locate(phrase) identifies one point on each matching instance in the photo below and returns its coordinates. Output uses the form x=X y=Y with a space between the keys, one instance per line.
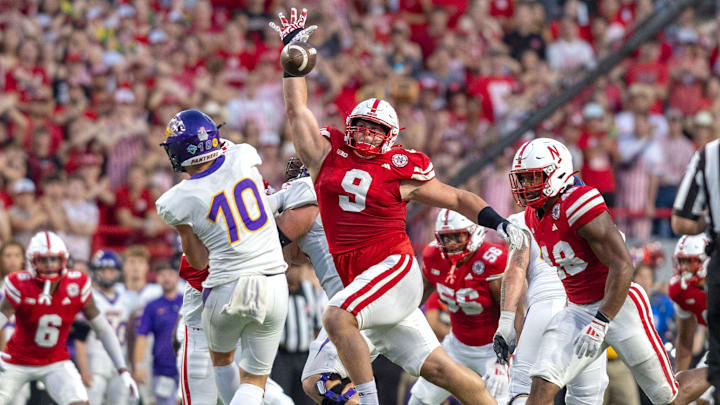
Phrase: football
x=298 y=58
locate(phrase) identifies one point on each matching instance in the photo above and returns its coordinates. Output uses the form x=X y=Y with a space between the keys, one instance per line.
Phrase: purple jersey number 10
x=221 y=205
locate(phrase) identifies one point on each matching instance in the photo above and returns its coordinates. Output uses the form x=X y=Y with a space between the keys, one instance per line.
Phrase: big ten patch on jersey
x=41 y=329
x=582 y=273
x=359 y=198
x=691 y=300
x=466 y=292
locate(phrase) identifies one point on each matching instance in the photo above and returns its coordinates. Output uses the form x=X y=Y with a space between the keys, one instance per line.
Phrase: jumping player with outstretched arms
x=363 y=183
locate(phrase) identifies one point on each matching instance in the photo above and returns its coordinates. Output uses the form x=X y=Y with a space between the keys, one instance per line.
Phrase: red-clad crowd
x=88 y=86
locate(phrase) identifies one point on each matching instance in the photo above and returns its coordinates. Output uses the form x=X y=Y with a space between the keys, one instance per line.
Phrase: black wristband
x=289 y=37
x=286 y=74
x=488 y=218
x=284 y=240
x=599 y=315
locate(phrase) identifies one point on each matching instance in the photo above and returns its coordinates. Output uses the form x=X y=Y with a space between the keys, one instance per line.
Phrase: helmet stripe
x=373 y=109
x=47 y=236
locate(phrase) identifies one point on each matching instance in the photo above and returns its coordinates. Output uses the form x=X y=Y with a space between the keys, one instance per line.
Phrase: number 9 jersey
x=360 y=202
x=226 y=208
x=41 y=330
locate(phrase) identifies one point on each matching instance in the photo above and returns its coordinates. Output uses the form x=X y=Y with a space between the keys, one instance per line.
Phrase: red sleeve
x=86 y=291
x=11 y=289
x=193 y=276
x=427 y=258
x=582 y=205
x=433 y=302
x=495 y=259
x=412 y=165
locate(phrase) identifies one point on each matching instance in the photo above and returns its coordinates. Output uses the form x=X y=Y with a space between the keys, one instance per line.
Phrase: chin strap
x=45 y=297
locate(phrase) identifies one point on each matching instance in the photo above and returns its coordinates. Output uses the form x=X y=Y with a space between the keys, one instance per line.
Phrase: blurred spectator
x=569 y=53
x=523 y=36
x=689 y=72
x=640 y=164
x=12 y=259
x=159 y=318
x=41 y=161
x=650 y=71
x=54 y=191
x=27 y=214
x=599 y=152
x=703 y=128
x=135 y=208
x=676 y=150
x=661 y=305
x=640 y=102
x=82 y=219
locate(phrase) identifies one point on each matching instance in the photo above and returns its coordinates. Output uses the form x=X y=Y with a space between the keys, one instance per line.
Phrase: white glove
x=3 y=355
x=295 y=29
x=497 y=380
x=588 y=342
x=505 y=337
x=515 y=237
x=130 y=384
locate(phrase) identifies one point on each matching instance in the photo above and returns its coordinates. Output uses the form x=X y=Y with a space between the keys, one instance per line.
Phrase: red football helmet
x=690 y=260
x=47 y=256
x=362 y=139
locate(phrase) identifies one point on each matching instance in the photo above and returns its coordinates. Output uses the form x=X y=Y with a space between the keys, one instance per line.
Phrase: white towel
x=248 y=298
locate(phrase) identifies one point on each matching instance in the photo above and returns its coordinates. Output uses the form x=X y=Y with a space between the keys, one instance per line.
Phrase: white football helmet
x=542 y=168
x=457 y=236
x=690 y=260
x=43 y=245
x=374 y=110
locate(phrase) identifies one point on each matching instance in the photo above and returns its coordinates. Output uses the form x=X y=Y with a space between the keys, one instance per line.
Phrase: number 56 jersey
x=226 y=208
x=360 y=202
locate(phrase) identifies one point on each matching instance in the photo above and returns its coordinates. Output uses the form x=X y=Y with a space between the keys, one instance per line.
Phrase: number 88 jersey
x=581 y=272
x=360 y=203
x=41 y=330
x=226 y=208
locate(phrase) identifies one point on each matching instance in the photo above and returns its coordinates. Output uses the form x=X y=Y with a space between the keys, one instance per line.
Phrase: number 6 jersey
x=41 y=330
x=226 y=208
x=360 y=203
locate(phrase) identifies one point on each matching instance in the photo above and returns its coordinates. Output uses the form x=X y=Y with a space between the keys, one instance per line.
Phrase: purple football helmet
x=191 y=138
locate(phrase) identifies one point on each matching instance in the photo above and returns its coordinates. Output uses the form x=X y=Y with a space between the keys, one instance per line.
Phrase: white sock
x=367 y=393
x=227 y=380
x=248 y=394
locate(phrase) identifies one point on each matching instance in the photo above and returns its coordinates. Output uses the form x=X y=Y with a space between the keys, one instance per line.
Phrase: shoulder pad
x=247 y=154
x=175 y=209
x=411 y=165
x=582 y=204
x=300 y=192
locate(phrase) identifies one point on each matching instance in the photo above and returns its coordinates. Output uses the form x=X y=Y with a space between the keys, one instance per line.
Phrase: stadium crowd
x=87 y=87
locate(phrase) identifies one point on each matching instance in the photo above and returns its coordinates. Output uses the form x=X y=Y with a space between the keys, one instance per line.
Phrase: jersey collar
x=210 y=170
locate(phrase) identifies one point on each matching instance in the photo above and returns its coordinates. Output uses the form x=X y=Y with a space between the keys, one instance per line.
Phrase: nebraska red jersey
x=473 y=313
x=41 y=330
x=581 y=272
x=193 y=276
x=692 y=299
x=360 y=204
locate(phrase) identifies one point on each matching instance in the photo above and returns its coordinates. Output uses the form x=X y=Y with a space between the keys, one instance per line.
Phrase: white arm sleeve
x=276 y=201
x=110 y=342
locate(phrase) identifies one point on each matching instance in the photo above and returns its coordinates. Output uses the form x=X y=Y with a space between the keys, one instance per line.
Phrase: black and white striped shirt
x=304 y=318
x=700 y=183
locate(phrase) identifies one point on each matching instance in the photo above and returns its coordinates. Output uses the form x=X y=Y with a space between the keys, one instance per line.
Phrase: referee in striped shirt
x=698 y=193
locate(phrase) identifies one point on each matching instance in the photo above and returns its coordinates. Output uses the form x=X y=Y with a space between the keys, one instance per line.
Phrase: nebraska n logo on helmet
x=191 y=138
x=367 y=141
x=542 y=169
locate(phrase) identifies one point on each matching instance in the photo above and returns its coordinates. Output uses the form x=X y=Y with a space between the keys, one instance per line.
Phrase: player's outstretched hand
x=3 y=356
x=497 y=380
x=293 y=30
x=130 y=384
x=589 y=341
x=515 y=237
x=505 y=337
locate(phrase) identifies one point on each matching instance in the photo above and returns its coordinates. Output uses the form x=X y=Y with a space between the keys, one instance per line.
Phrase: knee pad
x=334 y=395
